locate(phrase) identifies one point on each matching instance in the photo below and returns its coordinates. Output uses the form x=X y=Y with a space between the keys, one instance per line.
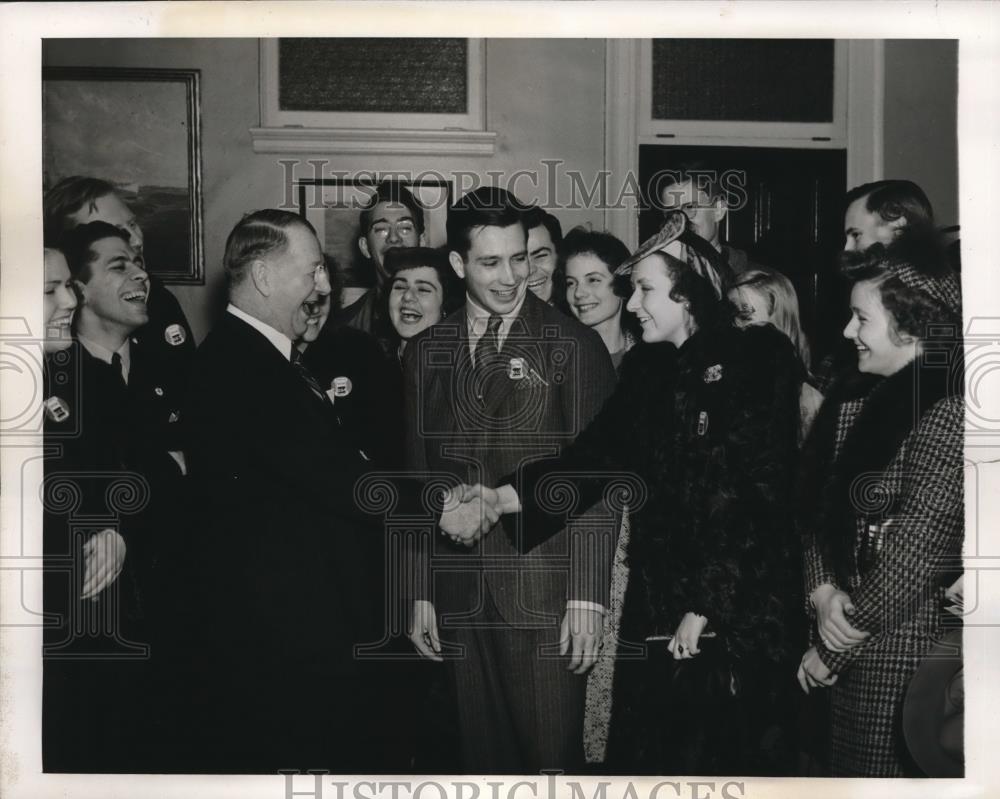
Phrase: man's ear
x=81 y=291
x=422 y=241
x=719 y=209
x=457 y=264
x=896 y=226
x=363 y=246
x=261 y=276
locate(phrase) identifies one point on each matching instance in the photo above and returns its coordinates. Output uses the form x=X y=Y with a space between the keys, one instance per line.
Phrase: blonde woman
x=767 y=297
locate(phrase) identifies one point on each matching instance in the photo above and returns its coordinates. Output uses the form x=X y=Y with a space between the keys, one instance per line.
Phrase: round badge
x=158 y=391
x=175 y=335
x=515 y=369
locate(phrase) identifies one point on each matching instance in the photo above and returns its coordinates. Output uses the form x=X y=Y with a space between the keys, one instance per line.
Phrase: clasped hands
x=833 y=607
x=470 y=511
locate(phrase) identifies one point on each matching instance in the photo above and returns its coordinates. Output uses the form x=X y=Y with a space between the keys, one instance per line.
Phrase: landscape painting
x=140 y=130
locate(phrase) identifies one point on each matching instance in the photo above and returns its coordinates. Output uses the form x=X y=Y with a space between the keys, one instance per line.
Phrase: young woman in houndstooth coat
x=882 y=506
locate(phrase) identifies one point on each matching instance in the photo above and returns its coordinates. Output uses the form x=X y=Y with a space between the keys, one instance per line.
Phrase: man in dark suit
x=78 y=200
x=506 y=379
x=126 y=462
x=280 y=592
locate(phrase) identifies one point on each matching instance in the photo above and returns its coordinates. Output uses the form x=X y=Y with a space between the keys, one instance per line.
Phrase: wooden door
x=788 y=215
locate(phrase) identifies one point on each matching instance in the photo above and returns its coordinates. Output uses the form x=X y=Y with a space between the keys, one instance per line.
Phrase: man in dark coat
x=504 y=380
x=123 y=455
x=279 y=592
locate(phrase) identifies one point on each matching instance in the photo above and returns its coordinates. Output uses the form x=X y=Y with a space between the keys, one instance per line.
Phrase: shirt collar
x=281 y=342
x=102 y=353
x=478 y=317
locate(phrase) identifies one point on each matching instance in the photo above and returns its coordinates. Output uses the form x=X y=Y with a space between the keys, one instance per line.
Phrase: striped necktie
x=307 y=376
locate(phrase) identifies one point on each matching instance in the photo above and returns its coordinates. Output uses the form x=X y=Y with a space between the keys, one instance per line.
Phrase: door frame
x=865 y=66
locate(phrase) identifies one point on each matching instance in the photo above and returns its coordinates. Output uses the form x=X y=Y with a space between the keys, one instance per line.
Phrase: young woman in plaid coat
x=882 y=505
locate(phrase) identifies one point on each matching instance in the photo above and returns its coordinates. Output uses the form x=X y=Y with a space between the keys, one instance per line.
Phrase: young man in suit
x=78 y=200
x=281 y=591
x=128 y=465
x=505 y=379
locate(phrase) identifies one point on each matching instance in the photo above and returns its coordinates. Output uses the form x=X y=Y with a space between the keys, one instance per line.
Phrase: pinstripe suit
x=520 y=709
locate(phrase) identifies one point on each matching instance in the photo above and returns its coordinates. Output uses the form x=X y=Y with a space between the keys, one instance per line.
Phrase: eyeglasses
x=403 y=227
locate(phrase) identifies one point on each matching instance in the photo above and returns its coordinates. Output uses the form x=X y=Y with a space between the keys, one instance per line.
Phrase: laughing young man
x=505 y=379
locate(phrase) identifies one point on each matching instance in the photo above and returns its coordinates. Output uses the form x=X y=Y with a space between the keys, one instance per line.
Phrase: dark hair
x=700 y=173
x=535 y=217
x=895 y=199
x=392 y=191
x=256 y=235
x=697 y=292
x=610 y=251
x=67 y=197
x=912 y=310
x=399 y=259
x=487 y=206
x=77 y=245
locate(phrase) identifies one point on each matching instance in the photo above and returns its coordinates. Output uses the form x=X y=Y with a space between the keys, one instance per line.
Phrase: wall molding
x=372 y=141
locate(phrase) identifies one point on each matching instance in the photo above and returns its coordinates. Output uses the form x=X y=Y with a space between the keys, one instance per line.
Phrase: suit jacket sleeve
x=417 y=567
x=606 y=444
x=921 y=540
x=591 y=553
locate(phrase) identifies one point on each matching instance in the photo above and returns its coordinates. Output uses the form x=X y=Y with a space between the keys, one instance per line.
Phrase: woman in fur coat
x=882 y=506
x=702 y=431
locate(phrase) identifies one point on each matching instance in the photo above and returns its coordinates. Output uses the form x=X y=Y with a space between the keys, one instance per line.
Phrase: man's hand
x=684 y=644
x=103 y=558
x=813 y=673
x=466 y=521
x=504 y=498
x=423 y=630
x=582 y=629
x=833 y=606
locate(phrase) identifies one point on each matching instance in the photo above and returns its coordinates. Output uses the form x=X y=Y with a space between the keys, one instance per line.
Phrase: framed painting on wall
x=139 y=129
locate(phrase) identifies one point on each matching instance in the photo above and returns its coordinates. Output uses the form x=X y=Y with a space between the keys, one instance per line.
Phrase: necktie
x=488 y=356
x=116 y=367
x=307 y=376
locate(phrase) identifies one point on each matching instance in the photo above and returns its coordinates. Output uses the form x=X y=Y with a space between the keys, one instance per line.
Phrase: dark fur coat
x=710 y=431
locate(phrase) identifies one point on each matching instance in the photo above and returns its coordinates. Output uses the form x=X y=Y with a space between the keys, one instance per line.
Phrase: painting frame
x=165 y=228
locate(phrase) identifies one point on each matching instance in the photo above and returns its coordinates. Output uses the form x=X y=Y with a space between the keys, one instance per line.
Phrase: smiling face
x=495 y=270
x=863 y=228
x=114 y=296
x=316 y=314
x=662 y=318
x=881 y=351
x=751 y=306
x=392 y=225
x=704 y=214
x=541 y=262
x=295 y=279
x=415 y=297
x=111 y=209
x=590 y=289
x=58 y=302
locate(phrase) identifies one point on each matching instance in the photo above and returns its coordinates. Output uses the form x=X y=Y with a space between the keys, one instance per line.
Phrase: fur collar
x=893 y=407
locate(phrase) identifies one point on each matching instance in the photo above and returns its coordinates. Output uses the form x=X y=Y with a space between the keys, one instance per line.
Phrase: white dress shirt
x=281 y=342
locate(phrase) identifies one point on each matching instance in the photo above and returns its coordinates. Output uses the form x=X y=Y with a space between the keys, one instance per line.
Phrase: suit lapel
x=522 y=343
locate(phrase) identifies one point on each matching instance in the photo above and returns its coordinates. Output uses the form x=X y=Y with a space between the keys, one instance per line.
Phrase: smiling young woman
x=706 y=416
x=882 y=510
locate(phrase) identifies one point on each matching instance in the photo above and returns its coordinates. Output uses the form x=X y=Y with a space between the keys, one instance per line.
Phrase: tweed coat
x=907 y=521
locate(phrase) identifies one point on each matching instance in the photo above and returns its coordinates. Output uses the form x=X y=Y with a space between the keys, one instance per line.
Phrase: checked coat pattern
x=898 y=592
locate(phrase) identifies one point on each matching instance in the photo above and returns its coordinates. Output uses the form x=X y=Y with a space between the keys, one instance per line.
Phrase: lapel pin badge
x=56 y=409
x=515 y=369
x=175 y=335
x=340 y=387
x=702 y=423
x=713 y=374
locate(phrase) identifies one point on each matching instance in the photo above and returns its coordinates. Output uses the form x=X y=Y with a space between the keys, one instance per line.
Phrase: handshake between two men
x=470 y=511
